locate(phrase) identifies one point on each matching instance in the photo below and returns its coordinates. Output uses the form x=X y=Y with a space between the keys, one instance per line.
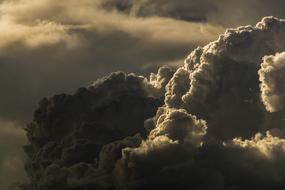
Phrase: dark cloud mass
x=49 y=47
x=71 y=133
x=220 y=126
x=230 y=88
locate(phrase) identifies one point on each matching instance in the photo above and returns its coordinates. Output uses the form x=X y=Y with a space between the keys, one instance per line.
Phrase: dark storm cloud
x=75 y=138
x=49 y=47
x=213 y=131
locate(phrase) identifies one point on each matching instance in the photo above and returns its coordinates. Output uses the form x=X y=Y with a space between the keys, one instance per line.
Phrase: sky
x=50 y=47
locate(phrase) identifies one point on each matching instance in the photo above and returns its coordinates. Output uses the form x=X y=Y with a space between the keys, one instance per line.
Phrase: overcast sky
x=50 y=46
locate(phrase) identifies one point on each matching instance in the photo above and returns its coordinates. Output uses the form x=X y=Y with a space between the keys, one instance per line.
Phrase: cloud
x=220 y=12
x=90 y=129
x=50 y=47
x=211 y=132
x=156 y=84
x=210 y=85
x=272 y=82
x=12 y=156
x=255 y=163
x=218 y=83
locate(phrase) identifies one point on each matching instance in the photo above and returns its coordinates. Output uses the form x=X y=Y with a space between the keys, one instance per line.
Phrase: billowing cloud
x=272 y=80
x=49 y=47
x=218 y=83
x=213 y=130
x=87 y=130
x=210 y=85
x=256 y=163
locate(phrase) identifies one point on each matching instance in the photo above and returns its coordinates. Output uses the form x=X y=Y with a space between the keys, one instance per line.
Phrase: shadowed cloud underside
x=217 y=122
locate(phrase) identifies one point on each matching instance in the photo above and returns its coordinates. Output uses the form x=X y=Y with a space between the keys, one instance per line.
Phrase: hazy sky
x=55 y=46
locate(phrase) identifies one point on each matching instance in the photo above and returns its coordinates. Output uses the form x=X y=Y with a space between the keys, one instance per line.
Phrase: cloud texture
x=87 y=130
x=49 y=47
x=222 y=12
x=272 y=80
x=220 y=126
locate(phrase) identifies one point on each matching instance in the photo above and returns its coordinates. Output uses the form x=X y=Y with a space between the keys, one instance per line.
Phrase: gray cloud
x=45 y=50
x=49 y=47
x=256 y=163
x=12 y=157
x=84 y=131
x=272 y=80
x=210 y=83
x=222 y=12
x=215 y=91
x=213 y=131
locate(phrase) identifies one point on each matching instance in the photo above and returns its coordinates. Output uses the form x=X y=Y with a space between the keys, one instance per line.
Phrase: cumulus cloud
x=49 y=47
x=212 y=131
x=255 y=163
x=156 y=84
x=220 y=84
x=268 y=146
x=210 y=85
x=272 y=80
x=75 y=138
x=179 y=125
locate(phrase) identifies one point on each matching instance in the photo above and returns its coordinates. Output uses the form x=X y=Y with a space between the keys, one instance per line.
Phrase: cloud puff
x=255 y=163
x=210 y=85
x=179 y=125
x=272 y=80
x=156 y=84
